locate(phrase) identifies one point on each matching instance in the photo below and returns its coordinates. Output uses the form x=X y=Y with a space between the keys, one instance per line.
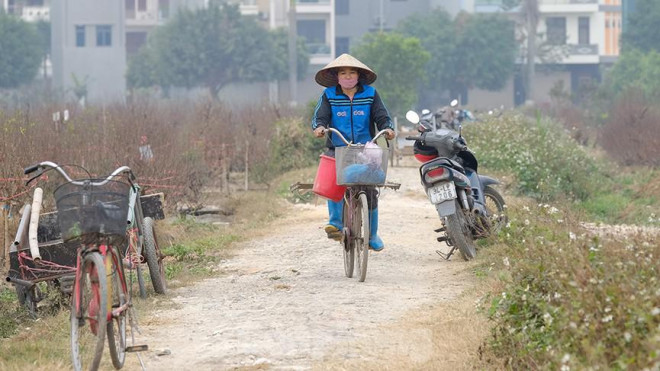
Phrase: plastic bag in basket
x=364 y=173
x=371 y=155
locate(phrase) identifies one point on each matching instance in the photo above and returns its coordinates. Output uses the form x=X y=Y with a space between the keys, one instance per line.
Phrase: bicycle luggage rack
x=57 y=254
x=307 y=187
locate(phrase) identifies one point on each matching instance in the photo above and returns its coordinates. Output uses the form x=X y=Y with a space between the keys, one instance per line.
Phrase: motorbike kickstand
x=448 y=255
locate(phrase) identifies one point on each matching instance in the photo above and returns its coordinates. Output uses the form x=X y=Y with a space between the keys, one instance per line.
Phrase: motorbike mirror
x=425 y=112
x=412 y=116
x=454 y=103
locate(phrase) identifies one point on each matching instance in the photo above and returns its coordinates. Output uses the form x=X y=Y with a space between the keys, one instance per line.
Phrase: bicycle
x=360 y=168
x=94 y=215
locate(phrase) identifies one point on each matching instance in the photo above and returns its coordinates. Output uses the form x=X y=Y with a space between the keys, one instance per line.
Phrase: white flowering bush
x=571 y=298
x=547 y=162
x=549 y=165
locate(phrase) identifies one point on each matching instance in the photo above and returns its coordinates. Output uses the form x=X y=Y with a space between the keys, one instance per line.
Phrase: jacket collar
x=338 y=90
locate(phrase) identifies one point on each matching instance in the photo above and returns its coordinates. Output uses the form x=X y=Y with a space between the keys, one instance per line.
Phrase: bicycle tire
x=89 y=306
x=116 y=327
x=347 y=242
x=154 y=257
x=361 y=228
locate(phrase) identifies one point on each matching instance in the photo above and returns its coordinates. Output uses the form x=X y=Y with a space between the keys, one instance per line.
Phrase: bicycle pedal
x=441 y=229
x=442 y=239
x=137 y=348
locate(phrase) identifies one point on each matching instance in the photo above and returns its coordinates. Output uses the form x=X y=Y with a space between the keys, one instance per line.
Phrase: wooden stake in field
x=4 y=251
x=247 y=149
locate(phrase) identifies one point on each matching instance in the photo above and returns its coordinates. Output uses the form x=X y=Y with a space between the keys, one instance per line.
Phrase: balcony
x=35 y=13
x=568 y=6
x=314 y=6
x=582 y=49
x=577 y=54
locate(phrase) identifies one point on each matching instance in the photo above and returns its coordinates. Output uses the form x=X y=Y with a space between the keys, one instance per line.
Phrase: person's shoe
x=333 y=232
x=375 y=243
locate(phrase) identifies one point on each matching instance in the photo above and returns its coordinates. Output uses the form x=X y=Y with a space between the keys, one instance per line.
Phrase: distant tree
x=470 y=51
x=399 y=62
x=636 y=69
x=20 y=53
x=435 y=30
x=641 y=30
x=209 y=47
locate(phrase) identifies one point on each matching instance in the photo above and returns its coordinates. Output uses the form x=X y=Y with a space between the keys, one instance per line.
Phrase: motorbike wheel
x=458 y=230
x=496 y=208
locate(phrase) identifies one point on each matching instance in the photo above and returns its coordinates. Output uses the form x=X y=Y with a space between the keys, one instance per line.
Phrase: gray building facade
x=88 y=48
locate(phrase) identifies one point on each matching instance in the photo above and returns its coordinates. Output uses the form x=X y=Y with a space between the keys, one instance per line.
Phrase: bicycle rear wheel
x=361 y=234
x=116 y=327
x=154 y=257
x=349 y=247
x=89 y=308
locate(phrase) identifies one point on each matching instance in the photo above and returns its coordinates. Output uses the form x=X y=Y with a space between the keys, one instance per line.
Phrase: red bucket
x=325 y=182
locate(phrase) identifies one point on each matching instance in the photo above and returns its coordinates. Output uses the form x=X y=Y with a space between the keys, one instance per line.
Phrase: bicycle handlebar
x=52 y=165
x=333 y=130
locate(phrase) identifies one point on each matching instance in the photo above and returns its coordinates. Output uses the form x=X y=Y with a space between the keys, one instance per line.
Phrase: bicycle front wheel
x=116 y=327
x=347 y=241
x=361 y=233
x=89 y=309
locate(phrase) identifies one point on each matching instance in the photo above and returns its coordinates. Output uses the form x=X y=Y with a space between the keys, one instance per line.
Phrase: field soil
x=283 y=301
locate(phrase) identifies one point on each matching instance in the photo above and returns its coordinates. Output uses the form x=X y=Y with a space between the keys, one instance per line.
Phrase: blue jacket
x=357 y=120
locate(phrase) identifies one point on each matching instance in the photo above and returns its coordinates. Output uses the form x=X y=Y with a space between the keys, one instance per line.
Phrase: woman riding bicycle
x=350 y=105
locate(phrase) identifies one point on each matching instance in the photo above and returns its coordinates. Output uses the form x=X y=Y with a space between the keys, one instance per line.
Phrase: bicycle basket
x=361 y=165
x=90 y=210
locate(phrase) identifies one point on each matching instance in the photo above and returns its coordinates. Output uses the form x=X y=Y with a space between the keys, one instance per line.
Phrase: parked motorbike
x=468 y=206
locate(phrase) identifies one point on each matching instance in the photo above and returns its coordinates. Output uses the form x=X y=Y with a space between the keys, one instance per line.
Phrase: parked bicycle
x=93 y=214
x=361 y=168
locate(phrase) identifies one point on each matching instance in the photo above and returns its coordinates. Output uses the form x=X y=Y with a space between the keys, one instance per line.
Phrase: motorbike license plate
x=442 y=192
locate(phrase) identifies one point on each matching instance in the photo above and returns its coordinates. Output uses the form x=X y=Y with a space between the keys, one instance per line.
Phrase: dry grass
x=442 y=336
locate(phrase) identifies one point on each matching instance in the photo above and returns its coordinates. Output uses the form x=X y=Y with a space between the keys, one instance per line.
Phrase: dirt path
x=283 y=301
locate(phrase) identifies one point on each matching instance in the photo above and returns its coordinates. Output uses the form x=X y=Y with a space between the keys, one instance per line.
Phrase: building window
x=556 y=30
x=129 y=5
x=341 y=45
x=341 y=7
x=163 y=9
x=313 y=31
x=80 y=36
x=142 y=5
x=583 y=31
x=104 y=35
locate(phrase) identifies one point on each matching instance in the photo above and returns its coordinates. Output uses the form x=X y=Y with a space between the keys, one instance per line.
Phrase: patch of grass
x=567 y=298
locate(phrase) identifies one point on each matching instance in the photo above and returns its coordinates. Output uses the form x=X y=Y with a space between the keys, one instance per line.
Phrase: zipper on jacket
x=352 y=131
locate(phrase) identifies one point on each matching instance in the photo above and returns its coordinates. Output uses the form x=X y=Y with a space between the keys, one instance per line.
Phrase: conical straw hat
x=327 y=76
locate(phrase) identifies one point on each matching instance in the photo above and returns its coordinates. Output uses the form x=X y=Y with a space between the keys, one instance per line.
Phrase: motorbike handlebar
x=414 y=138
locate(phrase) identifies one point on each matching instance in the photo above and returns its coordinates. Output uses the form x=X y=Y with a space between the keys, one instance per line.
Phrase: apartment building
x=28 y=10
x=142 y=16
x=582 y=37
x=88 y=47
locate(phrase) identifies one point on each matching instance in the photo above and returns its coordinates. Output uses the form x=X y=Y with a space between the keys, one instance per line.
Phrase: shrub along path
x=283 y=300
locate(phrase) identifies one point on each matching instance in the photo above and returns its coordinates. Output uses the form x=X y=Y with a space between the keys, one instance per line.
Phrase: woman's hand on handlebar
x=319 y=132
x=389 y=134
